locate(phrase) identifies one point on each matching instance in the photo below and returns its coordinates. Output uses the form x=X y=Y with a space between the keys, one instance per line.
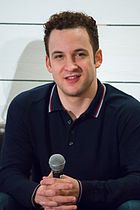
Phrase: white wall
x=22 y=54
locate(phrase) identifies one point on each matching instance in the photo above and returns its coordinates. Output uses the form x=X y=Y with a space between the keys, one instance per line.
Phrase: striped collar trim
x=98 y=109
x=50 y=101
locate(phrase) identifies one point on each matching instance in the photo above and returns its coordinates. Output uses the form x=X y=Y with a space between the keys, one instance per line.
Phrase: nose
x=70 y=64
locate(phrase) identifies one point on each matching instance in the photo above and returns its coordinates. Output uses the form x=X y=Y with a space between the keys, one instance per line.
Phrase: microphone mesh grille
x=57 y=162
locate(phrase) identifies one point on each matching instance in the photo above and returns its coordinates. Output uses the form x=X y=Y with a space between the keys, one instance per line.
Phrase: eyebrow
x=76 y=50
x=56 y=52
x=80 y=49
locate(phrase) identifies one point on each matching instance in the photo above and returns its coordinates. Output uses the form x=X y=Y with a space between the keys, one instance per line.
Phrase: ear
x=98 y=58
x=48 y=64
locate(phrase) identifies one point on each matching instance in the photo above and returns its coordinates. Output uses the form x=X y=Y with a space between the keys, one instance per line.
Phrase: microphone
x=57 y=164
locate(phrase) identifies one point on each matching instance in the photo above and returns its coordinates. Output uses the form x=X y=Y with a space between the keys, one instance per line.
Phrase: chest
x=89 y=145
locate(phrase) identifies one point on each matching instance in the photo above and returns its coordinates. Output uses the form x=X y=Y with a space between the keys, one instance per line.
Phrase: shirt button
x=70 y=143
x=69 y=122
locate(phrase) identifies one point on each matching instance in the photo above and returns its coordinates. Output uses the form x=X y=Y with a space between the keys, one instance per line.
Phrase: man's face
x=71 y=62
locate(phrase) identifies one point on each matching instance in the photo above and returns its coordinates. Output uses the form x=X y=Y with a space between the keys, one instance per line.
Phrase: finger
x=63 y=176
x=61 y=200
x=66 y=178
x=48 y=204
x=47 y=193
x=65 y=207
x=70 y=207
x=51 y=174
x=51 y=180
x=47 y=181
x=57 y=201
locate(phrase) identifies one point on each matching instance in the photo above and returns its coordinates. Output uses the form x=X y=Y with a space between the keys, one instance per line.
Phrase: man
x=93 y=125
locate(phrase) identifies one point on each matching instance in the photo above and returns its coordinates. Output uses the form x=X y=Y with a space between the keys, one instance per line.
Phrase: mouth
x=72 y=77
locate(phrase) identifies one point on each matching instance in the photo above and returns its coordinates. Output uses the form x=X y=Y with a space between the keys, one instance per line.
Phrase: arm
x=110 y=193
x=17 y=155
x=113 y=192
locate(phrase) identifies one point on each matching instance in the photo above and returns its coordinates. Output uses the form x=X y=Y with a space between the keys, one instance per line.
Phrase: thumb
x=63 y=176
x=50 y=175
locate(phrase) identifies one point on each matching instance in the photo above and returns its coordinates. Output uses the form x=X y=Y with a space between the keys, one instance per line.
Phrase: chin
x=73 y=93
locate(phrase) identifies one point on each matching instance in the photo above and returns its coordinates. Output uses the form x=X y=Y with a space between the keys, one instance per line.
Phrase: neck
x=76 y=105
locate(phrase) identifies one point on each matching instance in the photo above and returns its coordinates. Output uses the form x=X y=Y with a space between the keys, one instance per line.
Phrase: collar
x=54 y=101
x=99 y=99
x=94 y=108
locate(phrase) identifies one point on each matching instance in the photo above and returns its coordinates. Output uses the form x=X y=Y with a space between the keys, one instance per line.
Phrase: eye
x=81 y=54
x=58 y=56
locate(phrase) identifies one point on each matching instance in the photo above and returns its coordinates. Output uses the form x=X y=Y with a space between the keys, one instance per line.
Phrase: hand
x=57 y=193
x=75 y=186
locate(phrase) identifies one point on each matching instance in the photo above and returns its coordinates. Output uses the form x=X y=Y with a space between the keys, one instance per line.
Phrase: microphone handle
x=57 y=174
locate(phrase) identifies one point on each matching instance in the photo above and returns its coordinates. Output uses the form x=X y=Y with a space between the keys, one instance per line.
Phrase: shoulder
x=35 y=95
x=118 y=98
x=121 y=103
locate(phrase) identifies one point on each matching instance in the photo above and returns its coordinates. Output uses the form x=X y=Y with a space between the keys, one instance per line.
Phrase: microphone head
x=57 y=162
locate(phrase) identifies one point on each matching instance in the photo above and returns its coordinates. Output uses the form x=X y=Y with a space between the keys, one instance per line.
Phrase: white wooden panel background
x=22 y=54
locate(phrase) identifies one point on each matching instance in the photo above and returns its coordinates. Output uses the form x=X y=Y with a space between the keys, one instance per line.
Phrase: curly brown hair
x=66 y=20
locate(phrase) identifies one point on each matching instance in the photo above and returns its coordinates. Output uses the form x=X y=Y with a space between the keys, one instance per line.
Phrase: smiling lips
x=72 y=78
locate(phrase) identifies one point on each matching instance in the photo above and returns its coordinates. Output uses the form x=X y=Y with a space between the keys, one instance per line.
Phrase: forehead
x=69 y=38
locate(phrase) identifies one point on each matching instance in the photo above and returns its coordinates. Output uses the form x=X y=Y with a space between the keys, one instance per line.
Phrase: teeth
x=72 y=77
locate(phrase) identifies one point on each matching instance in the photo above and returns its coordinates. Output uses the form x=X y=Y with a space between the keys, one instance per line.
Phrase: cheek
x=55 y=71
x=88 y=66
x=88 y=62
x=83 y=64
x=56 y=67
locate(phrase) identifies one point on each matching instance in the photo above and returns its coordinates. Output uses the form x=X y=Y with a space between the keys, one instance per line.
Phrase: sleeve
x=17 y=155
x=111 y=193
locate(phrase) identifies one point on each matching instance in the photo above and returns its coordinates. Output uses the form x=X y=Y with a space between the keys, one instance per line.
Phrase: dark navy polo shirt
x=101 y=147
